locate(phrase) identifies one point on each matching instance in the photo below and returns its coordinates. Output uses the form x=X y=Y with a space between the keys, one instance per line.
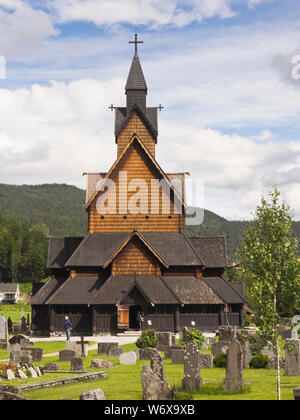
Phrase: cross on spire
x=136 y=42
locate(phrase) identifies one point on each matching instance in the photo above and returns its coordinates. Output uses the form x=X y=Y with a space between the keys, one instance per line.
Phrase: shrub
x=194 y=335
x=147 y=339
x=259 y=362
x=220 y=361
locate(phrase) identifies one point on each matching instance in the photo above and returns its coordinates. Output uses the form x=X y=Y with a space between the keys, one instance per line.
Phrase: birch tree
x=270 y=259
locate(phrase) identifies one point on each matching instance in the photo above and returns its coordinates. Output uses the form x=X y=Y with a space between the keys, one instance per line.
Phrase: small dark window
x=102 y=217
x=147 y=217
x=169 y=217
x=124 y=217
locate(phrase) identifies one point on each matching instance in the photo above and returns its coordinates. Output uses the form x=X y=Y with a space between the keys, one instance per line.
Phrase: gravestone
x=164 y=340
x=234 y=368
x=220 y=347
x=66 y=355
x=84 y=346
x=292 y=357
x=10 y=375
x=17 y=339
x=3 y=333
x=115 y=352
x=297 y=393
x=157 y=364
x=128 y=358
x=52 y=367
x=153 y=387
x=9 y=324
x=192 y=380
x=93 y=395
x=21 y=374
x=32 y=372
x=77 y=364
x=76 y=346
x=296 y=327
x=105 y=348
x=36 y=354
x=206 y=360
x=177 y=356
x=145 y=353
x=23 y=324
x=102 y=364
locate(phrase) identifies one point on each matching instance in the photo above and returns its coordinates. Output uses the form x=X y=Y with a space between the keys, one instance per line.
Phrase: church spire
x=136 y=87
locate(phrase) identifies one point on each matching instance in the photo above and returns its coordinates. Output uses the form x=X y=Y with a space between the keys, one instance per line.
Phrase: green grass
x=124 y=383
x=14 y=311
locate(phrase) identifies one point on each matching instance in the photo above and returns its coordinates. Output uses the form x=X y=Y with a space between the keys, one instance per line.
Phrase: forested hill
x=61 y=208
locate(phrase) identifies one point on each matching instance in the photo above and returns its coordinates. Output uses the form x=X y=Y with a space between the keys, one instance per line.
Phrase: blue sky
x=221 y=68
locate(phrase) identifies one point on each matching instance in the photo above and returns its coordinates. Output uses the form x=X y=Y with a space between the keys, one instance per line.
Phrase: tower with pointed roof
x=136 y=256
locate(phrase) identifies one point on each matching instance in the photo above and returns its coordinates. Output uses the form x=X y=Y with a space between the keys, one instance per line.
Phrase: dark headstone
x=53 y=367
x=77 y=364
x=177 y=356
x=105 y=348
x=297 y=393
x=234 y=368
x=66 y=355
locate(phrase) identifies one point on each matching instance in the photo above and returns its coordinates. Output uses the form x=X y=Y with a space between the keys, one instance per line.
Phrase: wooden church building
x=136 y=256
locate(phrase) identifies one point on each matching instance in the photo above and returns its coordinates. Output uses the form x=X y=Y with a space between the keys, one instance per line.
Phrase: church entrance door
x=133 y=319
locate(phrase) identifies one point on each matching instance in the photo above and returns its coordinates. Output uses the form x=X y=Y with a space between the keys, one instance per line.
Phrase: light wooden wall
x=135 y=125
x=137 y=166
x=135 y=258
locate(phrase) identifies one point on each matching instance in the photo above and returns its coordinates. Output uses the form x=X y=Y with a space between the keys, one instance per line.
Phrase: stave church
x=135 y=258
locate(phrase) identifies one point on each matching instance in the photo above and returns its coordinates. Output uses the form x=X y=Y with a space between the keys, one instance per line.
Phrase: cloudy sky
x=226 y=72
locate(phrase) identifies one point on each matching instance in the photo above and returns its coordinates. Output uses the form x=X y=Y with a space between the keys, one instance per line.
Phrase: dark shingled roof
x=136 y=79
x=174 y=248
x=122 y=115
x=224 y=290
x=212 y=249
x=118 y=287
x=46 y=291
x=76 y=291
x=192 y=291
x=8 y=287
x=96 y=249
x=60 y=250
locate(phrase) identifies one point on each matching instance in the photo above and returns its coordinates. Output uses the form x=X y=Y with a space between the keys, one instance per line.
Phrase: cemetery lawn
x=124 y=383
x=14 y=311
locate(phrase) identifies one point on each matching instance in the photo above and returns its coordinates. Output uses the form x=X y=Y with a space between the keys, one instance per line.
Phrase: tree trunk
x=278 y=369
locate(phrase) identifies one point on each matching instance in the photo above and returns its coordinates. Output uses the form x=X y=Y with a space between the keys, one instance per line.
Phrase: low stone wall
x=91 y=376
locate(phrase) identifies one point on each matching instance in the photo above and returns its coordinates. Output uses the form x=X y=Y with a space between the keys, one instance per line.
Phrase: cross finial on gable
x=136 y=42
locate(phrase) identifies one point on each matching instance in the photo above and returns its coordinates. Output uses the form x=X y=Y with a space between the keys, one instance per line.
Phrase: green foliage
x=220 y=361
x=54 y=209
x=23 y=252
x=270 y=258
x=147 y=339
x=260 y=361
x=194 y=335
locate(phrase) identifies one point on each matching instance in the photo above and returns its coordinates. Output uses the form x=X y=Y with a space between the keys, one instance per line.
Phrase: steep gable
x=135 y=207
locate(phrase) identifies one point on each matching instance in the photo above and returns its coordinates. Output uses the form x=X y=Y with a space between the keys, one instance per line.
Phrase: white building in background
x=9 y=293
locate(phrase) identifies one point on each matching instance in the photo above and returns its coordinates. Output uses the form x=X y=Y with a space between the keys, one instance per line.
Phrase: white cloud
x=23 y=29
x=55 y=133
x=140 y=12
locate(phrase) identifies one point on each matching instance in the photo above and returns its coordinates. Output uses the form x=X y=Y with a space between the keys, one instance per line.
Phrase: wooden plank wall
x=135 y=258
x=135 y=125
x=137 y=166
